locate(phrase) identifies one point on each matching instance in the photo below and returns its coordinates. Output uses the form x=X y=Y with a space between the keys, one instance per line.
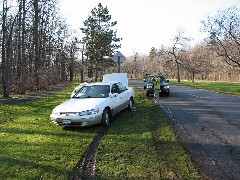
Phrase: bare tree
x=224 y=34
x=5 y=66
x=36 y=43
x=34 y=46
x=22 y=56
x=196 y=61
x=179 y=45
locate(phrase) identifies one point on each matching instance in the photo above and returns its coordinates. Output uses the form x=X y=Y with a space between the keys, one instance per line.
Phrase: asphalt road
x=208 y=125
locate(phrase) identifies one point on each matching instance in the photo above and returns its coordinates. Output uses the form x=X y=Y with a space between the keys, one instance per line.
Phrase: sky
x=143 y=24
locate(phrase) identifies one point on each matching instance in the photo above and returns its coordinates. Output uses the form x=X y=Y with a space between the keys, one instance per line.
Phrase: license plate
x=66 y=121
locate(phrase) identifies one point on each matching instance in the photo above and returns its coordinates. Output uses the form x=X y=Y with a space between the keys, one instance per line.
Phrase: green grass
x=128 y=150
x=34 y=148
x=222 y=87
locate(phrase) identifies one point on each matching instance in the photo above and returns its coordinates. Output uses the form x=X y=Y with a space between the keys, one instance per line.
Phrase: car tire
x=130 y=104
x=106 y=117
x=147 y=93
x=168 y=94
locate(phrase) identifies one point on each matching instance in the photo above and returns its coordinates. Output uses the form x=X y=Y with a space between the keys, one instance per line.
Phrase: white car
x=94 y=103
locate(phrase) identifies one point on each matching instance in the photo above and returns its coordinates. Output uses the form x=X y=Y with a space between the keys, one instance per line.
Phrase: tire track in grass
x=86 y=168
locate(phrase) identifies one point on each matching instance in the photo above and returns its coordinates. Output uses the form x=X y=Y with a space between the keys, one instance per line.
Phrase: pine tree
x=100 y=39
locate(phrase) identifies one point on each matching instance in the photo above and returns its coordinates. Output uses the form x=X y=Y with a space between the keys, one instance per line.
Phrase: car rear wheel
x=106 y=117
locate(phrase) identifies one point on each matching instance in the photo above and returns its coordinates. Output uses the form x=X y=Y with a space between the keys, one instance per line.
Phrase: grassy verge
x=142 y=145
x=138 y=145
x=222 y=87
x=33 y=148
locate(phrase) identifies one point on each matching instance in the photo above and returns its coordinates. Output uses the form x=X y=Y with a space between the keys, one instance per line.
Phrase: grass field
x=222 y=87
x=138 y=145
x=32 y=147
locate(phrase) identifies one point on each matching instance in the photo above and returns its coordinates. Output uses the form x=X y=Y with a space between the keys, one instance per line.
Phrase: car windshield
x=158 y=79
x=94 y=91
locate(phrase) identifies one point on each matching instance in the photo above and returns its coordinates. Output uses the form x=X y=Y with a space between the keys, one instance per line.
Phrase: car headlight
x=166 y=87
x=149 y=86
x=55 y=112
x=89 y=112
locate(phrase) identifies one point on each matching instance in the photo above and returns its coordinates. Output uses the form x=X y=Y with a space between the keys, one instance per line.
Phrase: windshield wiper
x=92 y=97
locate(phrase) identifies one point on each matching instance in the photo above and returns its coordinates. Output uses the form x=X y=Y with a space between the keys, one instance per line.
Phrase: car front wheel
x=130 y=104
x=106 y=117
x=147 y=93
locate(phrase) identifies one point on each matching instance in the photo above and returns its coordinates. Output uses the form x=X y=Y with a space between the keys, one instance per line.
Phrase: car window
x=94 y=91
x=121 y=87
x=114 y=89
x=149 y=79
x=158 y=78
x=161 y=78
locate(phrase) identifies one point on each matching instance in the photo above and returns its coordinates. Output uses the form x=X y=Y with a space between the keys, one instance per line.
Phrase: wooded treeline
x=36 y=47
x=39 y=49
x=217 y=58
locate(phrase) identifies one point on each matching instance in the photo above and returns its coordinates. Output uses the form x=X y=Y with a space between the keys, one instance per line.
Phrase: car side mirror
x=167 y=80
x=114 y=95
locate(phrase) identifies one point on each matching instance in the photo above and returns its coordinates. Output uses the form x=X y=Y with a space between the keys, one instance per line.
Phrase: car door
x=123 y=95
x=116 y=98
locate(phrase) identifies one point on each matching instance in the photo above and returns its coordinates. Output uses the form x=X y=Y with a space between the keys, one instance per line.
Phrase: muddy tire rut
x=86 y=168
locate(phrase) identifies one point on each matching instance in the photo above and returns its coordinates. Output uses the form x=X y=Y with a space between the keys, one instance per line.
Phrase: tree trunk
x=5 y=77
x=63 y=68
x=36 y=44
x=19 y=44
x=71 y=71
x=82 y=65
x=178 y=72
x=23 y=66
x=71 y=61
x=96 y=74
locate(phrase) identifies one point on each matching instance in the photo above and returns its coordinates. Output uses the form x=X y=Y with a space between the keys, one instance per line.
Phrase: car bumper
x=64 y=120
x=163 y=91
x=150 y=91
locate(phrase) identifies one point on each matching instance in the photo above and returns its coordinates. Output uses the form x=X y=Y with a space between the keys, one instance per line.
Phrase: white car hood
x=78 y=105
